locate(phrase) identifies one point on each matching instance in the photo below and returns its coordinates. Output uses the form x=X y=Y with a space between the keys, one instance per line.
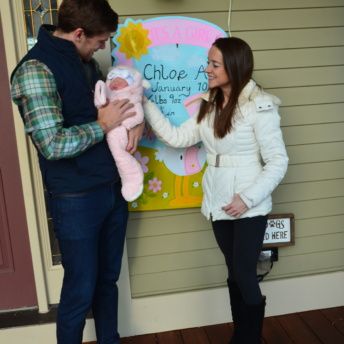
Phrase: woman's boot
x=252 y=323
x=236 y=303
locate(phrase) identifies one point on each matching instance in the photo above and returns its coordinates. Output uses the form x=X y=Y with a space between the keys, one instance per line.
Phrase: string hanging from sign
x=229 y=17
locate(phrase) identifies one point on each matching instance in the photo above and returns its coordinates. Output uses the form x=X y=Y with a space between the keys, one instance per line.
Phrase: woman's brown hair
x=95 y=17
x=238 y=62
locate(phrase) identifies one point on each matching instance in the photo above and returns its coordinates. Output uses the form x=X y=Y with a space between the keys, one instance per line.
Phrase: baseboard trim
x=211 y=306
x=26 y=317
x=29 y=317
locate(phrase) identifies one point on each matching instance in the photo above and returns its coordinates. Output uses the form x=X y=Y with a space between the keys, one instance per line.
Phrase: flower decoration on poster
x=171 y=53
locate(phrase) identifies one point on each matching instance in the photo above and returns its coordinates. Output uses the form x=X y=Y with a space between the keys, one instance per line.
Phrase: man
x=53 y=88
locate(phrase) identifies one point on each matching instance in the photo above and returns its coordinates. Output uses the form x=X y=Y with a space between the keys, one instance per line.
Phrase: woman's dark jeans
x=241 y=242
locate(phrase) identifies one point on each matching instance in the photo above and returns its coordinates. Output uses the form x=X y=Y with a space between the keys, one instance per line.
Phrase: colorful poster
x=171 y=53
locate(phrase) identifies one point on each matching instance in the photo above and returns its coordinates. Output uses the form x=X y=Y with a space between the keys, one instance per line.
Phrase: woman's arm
x=183 y=136
x=272 y=149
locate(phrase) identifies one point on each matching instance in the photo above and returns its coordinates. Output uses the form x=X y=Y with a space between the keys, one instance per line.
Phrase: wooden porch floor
x=313 y=327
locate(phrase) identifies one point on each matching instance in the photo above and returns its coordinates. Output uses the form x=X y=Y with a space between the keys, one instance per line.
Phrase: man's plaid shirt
x=34 y=91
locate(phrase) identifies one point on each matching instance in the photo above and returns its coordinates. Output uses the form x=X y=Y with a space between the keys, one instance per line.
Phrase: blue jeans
x=90 y=227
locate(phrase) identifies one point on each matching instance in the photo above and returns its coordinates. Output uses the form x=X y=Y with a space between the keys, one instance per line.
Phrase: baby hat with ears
x=121 y=73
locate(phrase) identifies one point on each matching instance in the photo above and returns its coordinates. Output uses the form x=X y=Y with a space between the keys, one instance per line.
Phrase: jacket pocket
x=245 y=177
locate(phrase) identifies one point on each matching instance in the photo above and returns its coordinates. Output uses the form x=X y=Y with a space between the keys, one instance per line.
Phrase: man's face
x=87 y=46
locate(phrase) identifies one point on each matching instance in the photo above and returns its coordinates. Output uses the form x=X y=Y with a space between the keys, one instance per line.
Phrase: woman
x=239 y=126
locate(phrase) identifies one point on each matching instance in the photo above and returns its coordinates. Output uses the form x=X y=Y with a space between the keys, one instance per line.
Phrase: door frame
x=15 y=46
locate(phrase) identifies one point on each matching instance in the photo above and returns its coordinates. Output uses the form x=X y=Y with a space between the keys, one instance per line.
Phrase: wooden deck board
x=194 y=335
x=297 y=329
x=171 y=337
x=219 y=334
x=324 y=326
x=336 y=316
x=273 y=332
x=142 y=339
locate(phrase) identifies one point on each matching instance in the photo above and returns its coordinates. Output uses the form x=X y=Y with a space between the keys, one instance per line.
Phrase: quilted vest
x=96 y=165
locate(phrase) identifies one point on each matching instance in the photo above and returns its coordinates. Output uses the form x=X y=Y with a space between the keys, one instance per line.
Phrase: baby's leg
x=128 y=167
x=133 y=121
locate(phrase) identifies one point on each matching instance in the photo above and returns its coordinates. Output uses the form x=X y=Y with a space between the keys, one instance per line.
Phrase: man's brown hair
x=93 y=16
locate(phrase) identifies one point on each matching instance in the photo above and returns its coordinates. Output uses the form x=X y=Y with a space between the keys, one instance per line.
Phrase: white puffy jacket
x=251 y=160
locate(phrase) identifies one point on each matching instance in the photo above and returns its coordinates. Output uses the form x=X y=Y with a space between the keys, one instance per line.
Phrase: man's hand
x=236 y=208
x=134 y=136
x=112 y=114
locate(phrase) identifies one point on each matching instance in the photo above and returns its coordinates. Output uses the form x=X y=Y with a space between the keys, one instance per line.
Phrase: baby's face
x=117 y=84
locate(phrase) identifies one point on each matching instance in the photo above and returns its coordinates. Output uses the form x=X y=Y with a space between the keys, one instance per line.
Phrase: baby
x=124 y=82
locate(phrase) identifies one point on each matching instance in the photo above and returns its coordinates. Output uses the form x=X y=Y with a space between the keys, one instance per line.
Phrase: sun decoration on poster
x=133 y=40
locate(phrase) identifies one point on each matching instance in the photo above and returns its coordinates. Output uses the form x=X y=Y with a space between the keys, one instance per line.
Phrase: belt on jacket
x=224 y=160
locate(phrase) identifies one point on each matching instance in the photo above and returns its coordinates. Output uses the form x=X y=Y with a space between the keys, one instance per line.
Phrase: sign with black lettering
x=279 y=230
x=171 y=54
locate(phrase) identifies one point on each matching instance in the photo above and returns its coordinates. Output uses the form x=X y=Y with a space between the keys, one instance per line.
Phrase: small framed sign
x=279 y=231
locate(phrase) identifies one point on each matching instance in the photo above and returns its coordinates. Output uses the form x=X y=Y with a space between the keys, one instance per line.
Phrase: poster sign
x=279 y=230
x=171 y=53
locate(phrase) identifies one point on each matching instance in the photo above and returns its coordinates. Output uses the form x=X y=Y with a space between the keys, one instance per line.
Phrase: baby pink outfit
x=128 y=167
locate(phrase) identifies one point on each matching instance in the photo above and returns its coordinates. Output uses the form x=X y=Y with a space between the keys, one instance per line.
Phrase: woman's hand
x=134 y=136
x=236 y=208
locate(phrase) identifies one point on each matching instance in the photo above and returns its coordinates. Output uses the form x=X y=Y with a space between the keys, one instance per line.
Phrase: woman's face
x=217 y=75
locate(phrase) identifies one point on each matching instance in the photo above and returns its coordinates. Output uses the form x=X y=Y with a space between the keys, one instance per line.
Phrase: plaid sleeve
x=34 y=91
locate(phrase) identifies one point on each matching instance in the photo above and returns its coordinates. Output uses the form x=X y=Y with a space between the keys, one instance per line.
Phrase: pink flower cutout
x=154 y=185
x=143 y=160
